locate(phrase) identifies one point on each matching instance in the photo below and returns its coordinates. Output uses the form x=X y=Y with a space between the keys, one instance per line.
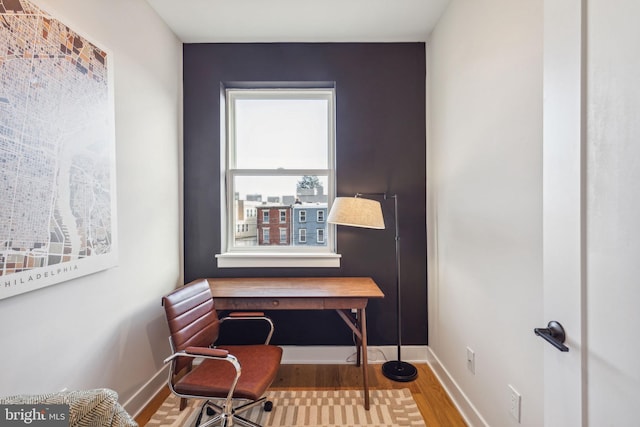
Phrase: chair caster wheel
x=268 y=406
x=210 y=411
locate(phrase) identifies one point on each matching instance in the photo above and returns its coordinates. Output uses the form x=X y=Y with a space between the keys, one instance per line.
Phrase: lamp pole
x=396 y=370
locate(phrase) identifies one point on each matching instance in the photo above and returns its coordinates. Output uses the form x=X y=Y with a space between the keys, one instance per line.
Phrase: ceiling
x=243 y=21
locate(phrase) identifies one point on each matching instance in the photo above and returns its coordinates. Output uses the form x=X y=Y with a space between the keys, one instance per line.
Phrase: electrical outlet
x=515 y=402
x=471 y=361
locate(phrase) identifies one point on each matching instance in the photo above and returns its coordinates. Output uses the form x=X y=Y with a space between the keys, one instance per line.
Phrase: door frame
x=564 y=219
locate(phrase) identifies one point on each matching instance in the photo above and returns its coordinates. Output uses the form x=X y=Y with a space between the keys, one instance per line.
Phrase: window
x=320 y=235
x=302 y=235
x=279 y=156
x=320 y=216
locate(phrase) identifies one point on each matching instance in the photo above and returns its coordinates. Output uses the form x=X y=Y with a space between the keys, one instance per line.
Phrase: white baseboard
x=148 y=391
x=319 y=355
x=460 y=400
x=326 y=355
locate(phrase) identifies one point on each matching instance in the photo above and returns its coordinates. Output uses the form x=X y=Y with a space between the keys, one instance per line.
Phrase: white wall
x=478 y=91
x=107 y=329
x=613 y=212
x=484 y=73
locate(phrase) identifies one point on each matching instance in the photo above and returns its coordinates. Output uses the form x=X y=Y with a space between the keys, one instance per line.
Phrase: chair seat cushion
x=213 y=378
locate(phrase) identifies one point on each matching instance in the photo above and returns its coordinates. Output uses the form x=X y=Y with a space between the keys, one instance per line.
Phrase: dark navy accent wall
x=380 y=147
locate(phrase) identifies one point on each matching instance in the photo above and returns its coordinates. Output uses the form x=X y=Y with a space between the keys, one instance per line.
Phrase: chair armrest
x=251 y=315
x=206 y=351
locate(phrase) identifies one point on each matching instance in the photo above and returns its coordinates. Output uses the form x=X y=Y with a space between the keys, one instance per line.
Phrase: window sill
x=265 y=260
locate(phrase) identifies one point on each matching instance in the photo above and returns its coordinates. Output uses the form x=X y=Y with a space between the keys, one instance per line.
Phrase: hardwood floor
x=433 y=402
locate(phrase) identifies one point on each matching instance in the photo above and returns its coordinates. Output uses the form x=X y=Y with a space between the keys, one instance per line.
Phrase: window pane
x=280 y=208
x=281 y=133
x=281 y=189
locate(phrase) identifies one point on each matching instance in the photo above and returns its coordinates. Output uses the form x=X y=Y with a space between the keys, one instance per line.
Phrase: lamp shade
x=356 y=212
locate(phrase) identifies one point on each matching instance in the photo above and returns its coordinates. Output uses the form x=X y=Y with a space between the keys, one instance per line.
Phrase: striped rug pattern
x=312 y=408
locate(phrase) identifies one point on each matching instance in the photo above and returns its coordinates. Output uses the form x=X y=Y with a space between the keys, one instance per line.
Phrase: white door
x=563 y=210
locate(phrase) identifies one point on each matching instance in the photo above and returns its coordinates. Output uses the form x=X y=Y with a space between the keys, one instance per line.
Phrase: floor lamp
x=361 y=212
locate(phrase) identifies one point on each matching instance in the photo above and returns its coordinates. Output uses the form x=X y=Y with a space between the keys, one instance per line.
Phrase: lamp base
x=398 y=370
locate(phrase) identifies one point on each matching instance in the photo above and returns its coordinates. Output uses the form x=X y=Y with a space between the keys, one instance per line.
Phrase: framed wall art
x=57 y=152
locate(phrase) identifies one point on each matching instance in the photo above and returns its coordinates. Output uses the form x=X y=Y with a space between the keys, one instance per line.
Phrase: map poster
x=57 y=152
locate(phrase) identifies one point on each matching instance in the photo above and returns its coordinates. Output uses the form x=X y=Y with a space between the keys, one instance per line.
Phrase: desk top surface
x=295 y=287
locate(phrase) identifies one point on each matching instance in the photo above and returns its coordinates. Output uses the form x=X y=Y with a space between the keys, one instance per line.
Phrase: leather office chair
x=226 y=373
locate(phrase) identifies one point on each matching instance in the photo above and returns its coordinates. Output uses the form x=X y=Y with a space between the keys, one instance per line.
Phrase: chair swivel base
x=398 y=370
x=268 y=407
x=232 y=417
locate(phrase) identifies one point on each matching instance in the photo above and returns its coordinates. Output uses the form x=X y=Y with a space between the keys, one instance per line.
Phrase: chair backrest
x=192 y=318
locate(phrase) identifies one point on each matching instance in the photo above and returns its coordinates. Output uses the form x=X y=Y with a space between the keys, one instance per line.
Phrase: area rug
x=312 y=408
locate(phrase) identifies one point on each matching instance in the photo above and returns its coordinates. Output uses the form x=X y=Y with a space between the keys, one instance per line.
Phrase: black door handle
x=554 y=334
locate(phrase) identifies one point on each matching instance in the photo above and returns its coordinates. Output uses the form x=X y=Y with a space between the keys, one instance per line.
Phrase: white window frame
x=283 y=216
x=285 y=255
x=302 y=215
x=320 y=216
x=302 y=235
x=266 y=235
x=320 y=235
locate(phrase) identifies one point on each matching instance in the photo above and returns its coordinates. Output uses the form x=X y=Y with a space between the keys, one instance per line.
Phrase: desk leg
x=358 y=340
x=359 y=328
x=365 y=365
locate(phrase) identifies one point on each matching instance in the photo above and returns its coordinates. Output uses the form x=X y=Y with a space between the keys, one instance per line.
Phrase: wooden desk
x=304 y=293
